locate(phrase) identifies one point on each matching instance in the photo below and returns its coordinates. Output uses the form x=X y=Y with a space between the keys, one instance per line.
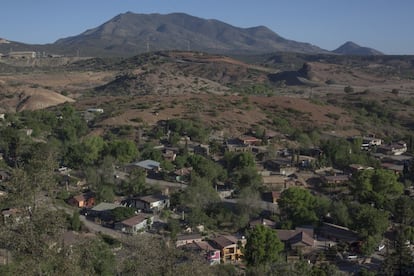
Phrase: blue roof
x=148 y=164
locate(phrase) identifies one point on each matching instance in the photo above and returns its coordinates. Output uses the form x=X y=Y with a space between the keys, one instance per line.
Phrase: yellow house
x=230 y=248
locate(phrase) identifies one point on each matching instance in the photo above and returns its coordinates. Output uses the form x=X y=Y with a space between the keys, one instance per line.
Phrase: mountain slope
x=351 y=48
x=130 y=33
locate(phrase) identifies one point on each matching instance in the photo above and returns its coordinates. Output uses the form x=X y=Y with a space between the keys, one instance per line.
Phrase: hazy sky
x=386 y=25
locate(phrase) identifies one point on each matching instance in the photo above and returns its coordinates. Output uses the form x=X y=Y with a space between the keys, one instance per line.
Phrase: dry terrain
x=224 y=93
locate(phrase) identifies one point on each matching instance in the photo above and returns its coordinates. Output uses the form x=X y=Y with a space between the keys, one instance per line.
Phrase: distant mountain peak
x=131 y=33
x=351 y=48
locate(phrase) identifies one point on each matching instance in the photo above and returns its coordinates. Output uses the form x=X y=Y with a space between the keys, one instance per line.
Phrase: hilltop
x=129 y=34
x=351 y=48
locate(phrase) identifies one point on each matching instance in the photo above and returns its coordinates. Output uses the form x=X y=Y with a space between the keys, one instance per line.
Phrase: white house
x=135 y=224
x=150 y=203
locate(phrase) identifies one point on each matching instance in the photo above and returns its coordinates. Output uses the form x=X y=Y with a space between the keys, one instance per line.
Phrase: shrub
x=348 y=89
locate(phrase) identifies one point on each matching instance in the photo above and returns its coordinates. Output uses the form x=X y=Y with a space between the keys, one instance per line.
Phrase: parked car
x=351 y=256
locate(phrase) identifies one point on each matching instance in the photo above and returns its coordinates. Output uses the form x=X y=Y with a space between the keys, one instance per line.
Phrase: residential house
x=355 y=168
x=262 y=221
x=393 y=148
x=249 y=140
x=299 y=240
x=230 y=248
x=21 y=54
x=149 y=165
x=224 y=192
x=335 y=180
x=235 y=145
x=272 y=196
x=169 y=154
x=275 y=182
x=338 y=233
x=368 y=142
x=102 y=211
x=186 y=239
x=202 y=149
x=86 y=200
x=150 y=203
x=135 y=224
x=282 y=166
x=211 y=254
x=183 y=174
x=397 y=169
x=206 y=249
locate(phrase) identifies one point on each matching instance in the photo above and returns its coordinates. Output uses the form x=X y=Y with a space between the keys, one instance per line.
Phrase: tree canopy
x=263 y=246
x=377 y=186
x=298 y=206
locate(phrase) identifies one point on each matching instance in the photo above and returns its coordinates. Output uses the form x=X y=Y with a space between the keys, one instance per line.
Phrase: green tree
x=340 y=213
x=379 y=186
x=96 y=258
x=298 y=206
x=173 y=226
x=235 y=161
x=206 y=168
x=75 y=222
x=367 y=220
x=148 y=152
x=348 y=89
x=40 y=170
x=136 y=183
x=200 y=193
x=263 y=246
x=105 y=193
x=122 y=213
x=92 y=148
x=123 y=151
x=247 y=178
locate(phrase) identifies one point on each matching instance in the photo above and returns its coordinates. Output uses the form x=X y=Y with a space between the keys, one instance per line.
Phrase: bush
x=348 y=89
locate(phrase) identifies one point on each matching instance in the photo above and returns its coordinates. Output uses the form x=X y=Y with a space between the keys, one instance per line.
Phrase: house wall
x=213 y=257
x=140 y=226
x=229 y=254
x=141 y=205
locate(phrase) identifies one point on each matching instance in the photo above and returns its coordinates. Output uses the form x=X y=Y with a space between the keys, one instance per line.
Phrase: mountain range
x=129 y=34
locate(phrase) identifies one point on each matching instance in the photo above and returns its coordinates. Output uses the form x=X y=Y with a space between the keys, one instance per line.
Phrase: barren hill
x=131 y=33
x=224 y=93
x=351 y=48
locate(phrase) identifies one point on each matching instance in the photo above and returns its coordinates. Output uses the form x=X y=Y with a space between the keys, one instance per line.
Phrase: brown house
x=338 y=233
x=186 y=239
x=300 y=239
x=249 y=140
x=262 y=221
x=338 y=179
x=82 y=201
